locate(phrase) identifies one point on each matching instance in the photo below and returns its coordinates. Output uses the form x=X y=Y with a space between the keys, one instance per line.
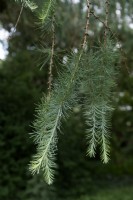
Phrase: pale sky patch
x=3 y=43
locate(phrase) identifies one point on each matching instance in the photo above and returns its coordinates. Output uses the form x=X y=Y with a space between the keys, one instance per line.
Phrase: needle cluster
x=49 y=115
x=27 y=3
x=98 y=85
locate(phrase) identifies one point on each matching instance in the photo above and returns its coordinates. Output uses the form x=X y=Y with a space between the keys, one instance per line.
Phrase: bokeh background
x=21 y=86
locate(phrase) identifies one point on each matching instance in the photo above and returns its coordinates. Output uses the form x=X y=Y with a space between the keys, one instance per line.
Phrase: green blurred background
x=21 y=86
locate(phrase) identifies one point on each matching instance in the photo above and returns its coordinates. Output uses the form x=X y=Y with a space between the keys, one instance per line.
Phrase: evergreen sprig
x=98 y=84
x=47 y=10
x=49 y=115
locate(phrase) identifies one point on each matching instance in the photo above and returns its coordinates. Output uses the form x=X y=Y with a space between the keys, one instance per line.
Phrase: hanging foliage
x=93 y=68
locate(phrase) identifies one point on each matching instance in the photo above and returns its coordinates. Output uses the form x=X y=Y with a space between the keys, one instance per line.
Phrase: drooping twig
x=114 y=35
x=87 y=25
x=104 y=24
x=106 y=19
x=52 y=56
x=14 y=29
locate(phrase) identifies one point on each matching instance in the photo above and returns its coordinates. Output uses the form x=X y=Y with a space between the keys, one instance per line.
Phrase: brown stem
x=104 y=24
x=51 y=58
x=106 y=20
x=114 y=35
x=20 y=13
x=87 y=25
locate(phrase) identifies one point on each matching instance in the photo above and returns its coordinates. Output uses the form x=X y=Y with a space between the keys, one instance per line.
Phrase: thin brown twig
x=51 y=58
x=83 y=46
x=114 y=35
x=14 y=29
x=106 y=26
x=106 y=20
x=87 y=25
